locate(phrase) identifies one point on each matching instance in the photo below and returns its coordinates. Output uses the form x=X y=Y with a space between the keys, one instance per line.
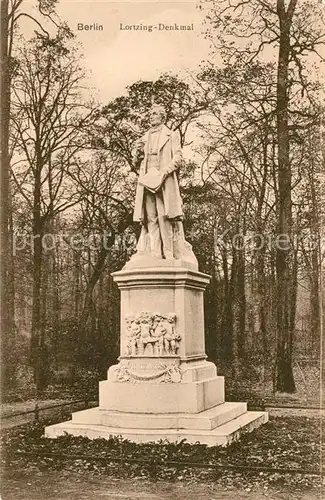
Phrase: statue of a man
x=159 y=206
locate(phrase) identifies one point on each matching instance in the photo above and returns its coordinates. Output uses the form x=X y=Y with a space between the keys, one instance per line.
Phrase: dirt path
x=10 y=420
x=66 y=485
x=7 y=409
x=295 y=412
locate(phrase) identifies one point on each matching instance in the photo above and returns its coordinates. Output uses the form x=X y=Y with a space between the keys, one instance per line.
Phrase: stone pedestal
x=163 y=387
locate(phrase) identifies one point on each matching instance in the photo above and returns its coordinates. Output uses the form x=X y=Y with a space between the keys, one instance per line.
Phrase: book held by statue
x=152 y=180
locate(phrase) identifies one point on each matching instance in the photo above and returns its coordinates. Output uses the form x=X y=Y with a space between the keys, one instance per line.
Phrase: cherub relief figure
x=171 y=339
x=152 y=334
x=133 y=333
x=158 y=332
x=146 y=339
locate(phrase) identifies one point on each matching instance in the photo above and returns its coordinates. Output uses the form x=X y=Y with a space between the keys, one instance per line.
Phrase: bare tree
x=106 y=192
x=291 y=30
x=11 y=13
x=49 y=120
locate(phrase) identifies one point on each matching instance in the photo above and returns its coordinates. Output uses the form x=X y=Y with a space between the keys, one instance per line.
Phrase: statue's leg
x=153 y=225
x=182 y=248
x=166 y=228
x=143 y=245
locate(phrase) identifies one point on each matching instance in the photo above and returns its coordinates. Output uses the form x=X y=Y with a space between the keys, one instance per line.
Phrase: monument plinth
x=163 y=365
x=162 y=387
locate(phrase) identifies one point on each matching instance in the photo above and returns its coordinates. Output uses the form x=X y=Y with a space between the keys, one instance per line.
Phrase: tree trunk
x=238 y=310
x=38 y=355
x=284 y=381
x=77 y=283
x=240 y=292
x=315 y=301
x=212 y=337
x=262 y=300
x=56 y=304
x=261 y=288
x=6 y=260
x=314 y=275
x=226 y=322
x=88 y=302
x=88 y=306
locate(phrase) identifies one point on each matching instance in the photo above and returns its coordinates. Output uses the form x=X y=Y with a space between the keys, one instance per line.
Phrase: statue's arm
x=138 y=152
x=177 y=159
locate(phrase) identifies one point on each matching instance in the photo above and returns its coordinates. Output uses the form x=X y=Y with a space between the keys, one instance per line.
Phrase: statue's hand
x=137 y=161
x=165 y=175
x=138 y=153
x=171 y=167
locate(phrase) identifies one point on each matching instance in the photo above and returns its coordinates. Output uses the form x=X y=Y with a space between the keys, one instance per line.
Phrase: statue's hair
x=159 y=109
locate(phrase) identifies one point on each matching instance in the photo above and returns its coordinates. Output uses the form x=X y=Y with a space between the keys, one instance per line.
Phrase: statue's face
x=155 y=118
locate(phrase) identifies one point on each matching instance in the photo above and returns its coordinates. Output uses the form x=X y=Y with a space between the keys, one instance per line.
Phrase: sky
x=117 y=58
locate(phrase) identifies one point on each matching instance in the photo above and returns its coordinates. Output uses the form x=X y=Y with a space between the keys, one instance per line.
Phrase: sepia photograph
x=162 y=249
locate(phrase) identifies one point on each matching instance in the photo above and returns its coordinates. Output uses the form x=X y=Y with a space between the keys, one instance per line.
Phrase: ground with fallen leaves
x=69 y=485
x=287 y=443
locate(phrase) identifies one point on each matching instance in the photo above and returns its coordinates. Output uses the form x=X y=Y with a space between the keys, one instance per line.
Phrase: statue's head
x=171 y=317
x=157 y=115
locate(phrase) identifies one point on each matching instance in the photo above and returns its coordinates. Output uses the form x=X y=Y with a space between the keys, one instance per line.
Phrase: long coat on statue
x=169 y=158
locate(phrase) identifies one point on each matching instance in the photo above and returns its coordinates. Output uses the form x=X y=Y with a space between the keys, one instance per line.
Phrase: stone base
x=162 y=388
x=164 y=398
x=140 y=261
x=195 y=388
x=218 y=426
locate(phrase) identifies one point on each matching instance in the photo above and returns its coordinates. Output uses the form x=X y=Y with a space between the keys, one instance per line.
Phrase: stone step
x=220 y=436
x=213 y=417
x=208 y=419
x=234 y=429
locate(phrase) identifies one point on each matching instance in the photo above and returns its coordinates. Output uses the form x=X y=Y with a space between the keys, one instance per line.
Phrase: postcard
x=162 y=178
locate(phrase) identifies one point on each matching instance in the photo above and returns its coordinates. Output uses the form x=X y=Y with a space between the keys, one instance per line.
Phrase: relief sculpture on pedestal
x=151 y=334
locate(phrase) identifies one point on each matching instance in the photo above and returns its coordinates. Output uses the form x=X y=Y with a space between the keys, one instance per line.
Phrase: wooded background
x=251 y=128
